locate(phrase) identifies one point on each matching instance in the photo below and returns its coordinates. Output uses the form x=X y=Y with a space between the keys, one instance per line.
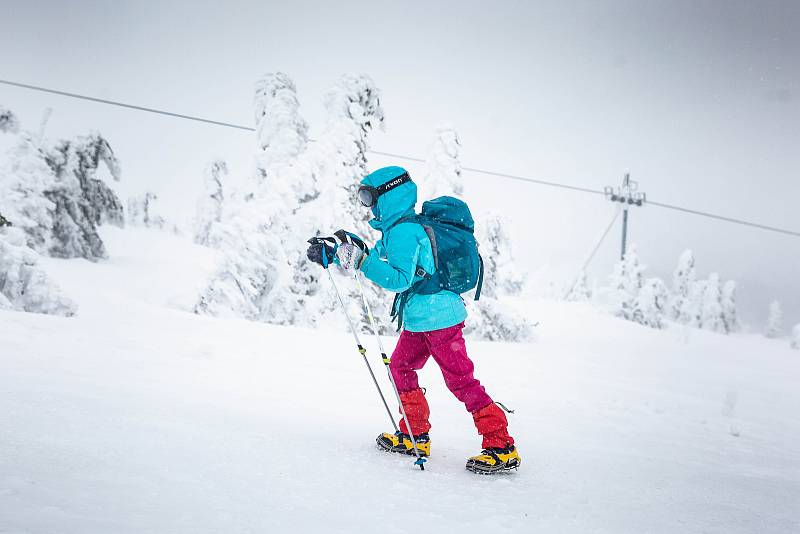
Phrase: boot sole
x=388 y=448
x=481 y=469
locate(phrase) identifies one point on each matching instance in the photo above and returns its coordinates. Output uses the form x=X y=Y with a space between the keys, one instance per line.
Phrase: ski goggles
x=368 y=195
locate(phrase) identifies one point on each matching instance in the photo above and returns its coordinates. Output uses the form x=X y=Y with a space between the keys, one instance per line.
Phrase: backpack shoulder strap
x=416 y=218
x=408 y=218
x=480 y=280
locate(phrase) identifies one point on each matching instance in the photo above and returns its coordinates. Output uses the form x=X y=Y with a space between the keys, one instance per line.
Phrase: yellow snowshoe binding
x=494 y=460
x=401 y=443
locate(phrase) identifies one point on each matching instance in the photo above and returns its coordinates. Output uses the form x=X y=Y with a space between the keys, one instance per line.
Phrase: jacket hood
x=394 y=204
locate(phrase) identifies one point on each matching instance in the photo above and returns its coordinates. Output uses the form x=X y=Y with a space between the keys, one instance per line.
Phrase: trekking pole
x=361 y=349
x=386 y=361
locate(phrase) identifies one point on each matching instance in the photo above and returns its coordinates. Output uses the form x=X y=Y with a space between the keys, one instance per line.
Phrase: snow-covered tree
x=626 y=281
x=82 y=201
x=303 y=187
x=443 y=166
x=53 y=193
x=243 y=281
x=338 y=158
x=281 y=131
x=580 y=290
x=261 y=266
x=775 y=320
x=492 y=318
x=501 y=276
x=354 y=110
x=692 y=309
x=795 y=343
x=208 y=215
x=650 y=304
x=729 y=314
x=24 y=178
x=711 y=314
x=142 y=211
x=24 y=286
x=8 y=121
x=292 y=177
x=683 y=279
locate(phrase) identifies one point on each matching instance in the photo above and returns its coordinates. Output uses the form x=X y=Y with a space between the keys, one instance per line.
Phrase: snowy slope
x=136 y=416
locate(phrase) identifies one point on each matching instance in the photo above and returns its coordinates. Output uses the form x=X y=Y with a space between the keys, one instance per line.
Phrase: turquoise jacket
x=393 y=261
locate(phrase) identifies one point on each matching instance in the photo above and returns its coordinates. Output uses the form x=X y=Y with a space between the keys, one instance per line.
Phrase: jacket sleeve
x=402 y=254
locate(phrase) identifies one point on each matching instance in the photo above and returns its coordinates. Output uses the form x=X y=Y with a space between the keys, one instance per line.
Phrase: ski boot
x=494 y=460
x=401 y=443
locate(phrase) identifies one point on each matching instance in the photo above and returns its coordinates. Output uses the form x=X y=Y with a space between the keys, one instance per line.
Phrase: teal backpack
x=459 y=267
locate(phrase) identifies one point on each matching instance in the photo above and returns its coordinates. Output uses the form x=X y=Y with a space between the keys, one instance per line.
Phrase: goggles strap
x=376 y=192
x=394 y=182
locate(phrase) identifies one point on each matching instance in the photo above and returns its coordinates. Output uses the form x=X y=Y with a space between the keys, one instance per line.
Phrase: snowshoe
x=401 y=443
x=494 y=460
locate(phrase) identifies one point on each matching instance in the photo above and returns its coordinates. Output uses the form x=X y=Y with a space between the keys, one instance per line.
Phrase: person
x=432 y=323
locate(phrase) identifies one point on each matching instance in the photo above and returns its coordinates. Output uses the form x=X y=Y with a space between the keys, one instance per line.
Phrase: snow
x=138 y=416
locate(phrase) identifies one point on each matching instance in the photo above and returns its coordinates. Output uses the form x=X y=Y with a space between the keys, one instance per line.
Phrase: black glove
x=320 y=251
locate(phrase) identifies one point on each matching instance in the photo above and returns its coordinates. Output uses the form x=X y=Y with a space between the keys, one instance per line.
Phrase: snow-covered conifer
x=282 y=133
x=8 y=121
x=24 y=178
x=53 y=193
x=354 y=110
x=252 y=270
x=691 y=312
x=775 y=320
x=492 y=318
x=82 y=201
x=500 y=274
x=338 y=158
x=24 y=286
x=711 y=314
x=443 y=166
x=650 y=304
x=242 y=281
x=682 y=281
x=729 y=314
x=795 y=343
x=288 y=181
x=208 y=216
x=626 y=281
x=261 y=266
x=580 y=290
x=142 y=211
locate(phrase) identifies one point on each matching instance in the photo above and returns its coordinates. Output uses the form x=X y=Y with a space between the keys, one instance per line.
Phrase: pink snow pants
x=450 y=353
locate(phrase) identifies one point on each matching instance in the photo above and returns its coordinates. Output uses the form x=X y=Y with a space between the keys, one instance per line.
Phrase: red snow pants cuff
x=417 y=411
x=492 y=424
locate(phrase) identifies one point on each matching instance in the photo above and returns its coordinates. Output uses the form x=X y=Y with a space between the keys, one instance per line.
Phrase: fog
x=698 y=101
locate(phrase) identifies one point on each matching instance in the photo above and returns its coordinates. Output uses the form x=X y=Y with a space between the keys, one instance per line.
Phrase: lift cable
x=402 y=156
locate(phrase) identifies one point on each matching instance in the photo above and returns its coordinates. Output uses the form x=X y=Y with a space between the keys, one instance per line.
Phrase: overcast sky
x=700 y=101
